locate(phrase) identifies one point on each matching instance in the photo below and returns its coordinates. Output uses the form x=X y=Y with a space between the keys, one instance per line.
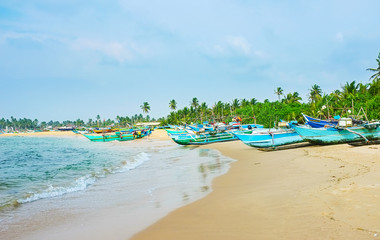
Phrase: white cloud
x=30 y=36
x=240 y=44
x=232 y=46
x=114 y=50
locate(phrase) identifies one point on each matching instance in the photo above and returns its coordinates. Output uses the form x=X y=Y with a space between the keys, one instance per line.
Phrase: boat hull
x=325 y=136
x=202 y=139
x=270 y=139
x=319 y=123
x=108 y=138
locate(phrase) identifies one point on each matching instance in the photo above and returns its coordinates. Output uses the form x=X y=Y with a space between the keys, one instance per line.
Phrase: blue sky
x=67 y=59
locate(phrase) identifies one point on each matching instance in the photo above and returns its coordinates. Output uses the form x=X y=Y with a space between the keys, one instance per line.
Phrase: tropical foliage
x=352 y=96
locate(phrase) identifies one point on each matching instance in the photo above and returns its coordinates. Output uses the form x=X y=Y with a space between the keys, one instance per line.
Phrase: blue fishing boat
x=203 y=138
x=319 y=123
x=344 y=132
x=269 y=138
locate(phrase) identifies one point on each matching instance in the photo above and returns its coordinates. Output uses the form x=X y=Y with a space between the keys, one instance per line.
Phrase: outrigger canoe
x=117 y=136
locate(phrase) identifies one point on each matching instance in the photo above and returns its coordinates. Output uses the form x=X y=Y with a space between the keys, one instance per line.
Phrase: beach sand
x=315 y=192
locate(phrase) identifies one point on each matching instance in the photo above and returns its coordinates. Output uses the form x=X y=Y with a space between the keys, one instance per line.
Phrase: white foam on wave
x=80 y=184
x=135 y=162
x=85 y=181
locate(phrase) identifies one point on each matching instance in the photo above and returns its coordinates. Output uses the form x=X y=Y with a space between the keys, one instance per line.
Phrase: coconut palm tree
x=194 y=103
x=203 y=109
x=375 y=76
x=244 y=102
x=98 y=119
x=315 y=93
x=350 y=89
x=185 y=114
x=219 y=106
x=253 y=101
x=279 y=92
x=145 y=107
x=292 y=98
x=235 y=105
x=173 y=104
x=296 y=97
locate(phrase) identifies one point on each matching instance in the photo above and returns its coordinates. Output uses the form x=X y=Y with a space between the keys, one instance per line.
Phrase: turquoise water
x=34 y=168
x=50 y=177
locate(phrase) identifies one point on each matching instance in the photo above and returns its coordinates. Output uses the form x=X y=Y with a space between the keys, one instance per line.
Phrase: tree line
x=352 y=98
x=28 y=124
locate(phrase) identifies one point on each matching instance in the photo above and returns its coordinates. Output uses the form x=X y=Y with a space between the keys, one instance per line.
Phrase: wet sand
x=315 y=192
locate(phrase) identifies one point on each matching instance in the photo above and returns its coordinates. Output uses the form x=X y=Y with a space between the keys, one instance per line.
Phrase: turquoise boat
x=362 y=133
x=176 y=132
x=269 y=138
x=205 y=138
x=117 y=136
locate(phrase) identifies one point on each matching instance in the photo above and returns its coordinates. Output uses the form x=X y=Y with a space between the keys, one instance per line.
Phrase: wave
x=79 y=184
x=135 y=162
x=83 y=182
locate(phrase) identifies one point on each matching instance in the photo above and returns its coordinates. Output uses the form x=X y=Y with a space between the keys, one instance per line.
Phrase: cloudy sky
x=67 y=59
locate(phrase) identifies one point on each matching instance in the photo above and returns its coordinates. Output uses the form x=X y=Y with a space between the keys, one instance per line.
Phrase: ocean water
x=56 y=179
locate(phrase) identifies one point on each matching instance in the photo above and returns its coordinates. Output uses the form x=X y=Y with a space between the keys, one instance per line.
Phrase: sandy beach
x=315 y=192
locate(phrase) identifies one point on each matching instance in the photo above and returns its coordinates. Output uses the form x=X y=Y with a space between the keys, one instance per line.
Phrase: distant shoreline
x=50 y=133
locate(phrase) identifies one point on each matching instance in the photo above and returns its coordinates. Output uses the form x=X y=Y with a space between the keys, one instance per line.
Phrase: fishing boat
x=271 y=138
x=65 y=128
x=171 y=132
x=104 y=130
x=115 y=136
x=344 y=132
x=203 y=138
x=319 y=123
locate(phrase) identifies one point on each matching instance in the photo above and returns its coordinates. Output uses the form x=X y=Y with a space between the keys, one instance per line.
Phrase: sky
x=65 y=59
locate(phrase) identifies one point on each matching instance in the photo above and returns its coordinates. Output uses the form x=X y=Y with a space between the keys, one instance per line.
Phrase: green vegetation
x=26 y=124
x=351 y=96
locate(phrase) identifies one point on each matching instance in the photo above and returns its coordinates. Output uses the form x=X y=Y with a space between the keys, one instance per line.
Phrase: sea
x=54 y=181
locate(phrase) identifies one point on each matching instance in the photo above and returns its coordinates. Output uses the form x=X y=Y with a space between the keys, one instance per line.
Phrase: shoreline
x=40 y=134
x=315 y=192
x=105 y=209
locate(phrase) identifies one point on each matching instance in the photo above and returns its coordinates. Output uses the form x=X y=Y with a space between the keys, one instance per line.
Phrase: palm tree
x=315 y=93
x=173 y=104
x=235 y=105
x=350 y=89
x=296 y=97
x=292 y=98
x=279 y=92
x=219 y=110
x=375 y=76
x=98 y=119
x=253 y=101
x=145 y=107
x=194 y=103
x=185 y=114
x=203 y=109
x=244 y=102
